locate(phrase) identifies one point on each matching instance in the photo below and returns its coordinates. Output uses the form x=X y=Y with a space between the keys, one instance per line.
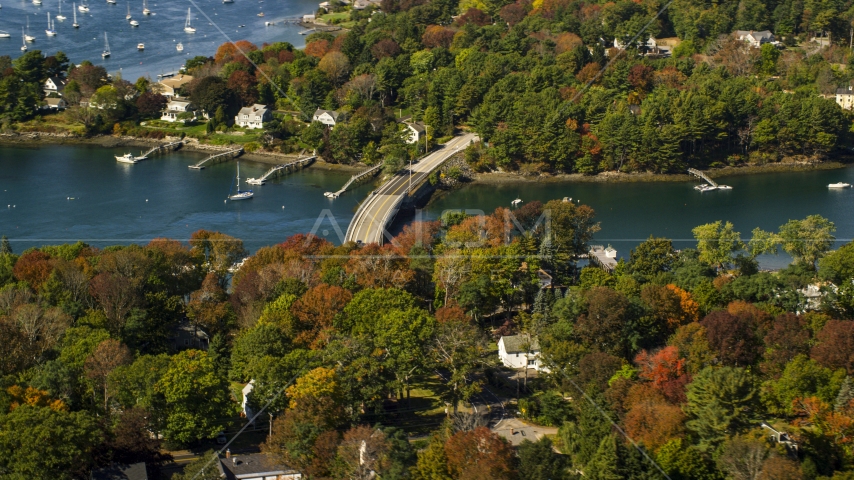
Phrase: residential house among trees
x=55 y=104
x=416 y=131
x=170 y=87
x=845 y=97
x=175 y=108
x=520 y=351
x=755 y=39
x=326 y=117
x=253 y=116
x=54 y=85
x=256 y=466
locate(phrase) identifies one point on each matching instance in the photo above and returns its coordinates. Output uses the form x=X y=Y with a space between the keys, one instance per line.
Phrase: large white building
x=253 y=116
x=175 y=108
x=845 y=97
x=326 y=117
x=520 y=351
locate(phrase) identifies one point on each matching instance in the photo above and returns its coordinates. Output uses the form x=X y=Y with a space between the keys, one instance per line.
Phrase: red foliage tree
x=34 y=268
x=379 y=267
x=150 y=104
x=451 y=312
x=512 y=13
x=640 y=77
x=732 y=338
x=787 y=338
x=479 y=455
x=317 y=48
x=654 y=423
x=835 y=347
x=422 y=234
x=437 y=36
x=588 y=72
x=244 y=85
x=315 y=311
x=385 y=48
x=666 y=371
x=306 y=244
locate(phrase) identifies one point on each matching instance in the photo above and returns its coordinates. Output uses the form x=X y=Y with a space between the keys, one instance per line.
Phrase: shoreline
x=31 y=140
x=35 y=140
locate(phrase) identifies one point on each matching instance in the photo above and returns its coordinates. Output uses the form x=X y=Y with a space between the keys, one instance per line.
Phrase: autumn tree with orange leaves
x=479 y=455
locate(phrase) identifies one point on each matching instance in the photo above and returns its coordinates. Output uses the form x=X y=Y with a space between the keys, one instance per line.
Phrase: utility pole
x=271 y=425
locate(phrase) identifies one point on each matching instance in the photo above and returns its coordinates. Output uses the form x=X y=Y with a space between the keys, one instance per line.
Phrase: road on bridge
x=369 y=223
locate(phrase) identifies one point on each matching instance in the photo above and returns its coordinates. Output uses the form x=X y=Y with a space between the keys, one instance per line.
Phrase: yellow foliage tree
x=33 y=397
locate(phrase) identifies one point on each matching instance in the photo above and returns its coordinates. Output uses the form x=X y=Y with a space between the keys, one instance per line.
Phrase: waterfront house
x=416 y=131
x=604 y=257
x=54 y=85
x=309 y=18
x=175 y=108
x=326 y=117
x=845 y=97
x=171 y=87
x=520 y=351
x=121 y=471
x=755 y=39
x=255 y=466
x=253 y=116
x=55 y=104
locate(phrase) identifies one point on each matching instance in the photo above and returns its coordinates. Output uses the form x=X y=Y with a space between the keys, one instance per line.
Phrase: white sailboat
x=145 y=10
x=127 y=17
x=106 y=52
x=24 y=46
x=187 y=27
x=83 y=8
x=37 y=2
x=111 y=2
x=5 y=34
x=240 y=195
x=27 y=35
x=74 y=11
x=134 y=23
x=50 y=31
x=60 y=17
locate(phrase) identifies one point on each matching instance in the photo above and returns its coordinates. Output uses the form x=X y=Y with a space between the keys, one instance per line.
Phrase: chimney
x=227 y=453
x=234 y=460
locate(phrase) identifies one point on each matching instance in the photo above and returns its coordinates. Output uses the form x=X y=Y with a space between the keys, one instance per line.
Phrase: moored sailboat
x=241 y=194
x=106 y=52
x=187 y=26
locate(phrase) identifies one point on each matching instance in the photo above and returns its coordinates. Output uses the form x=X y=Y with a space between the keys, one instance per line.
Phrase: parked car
x=221 y=439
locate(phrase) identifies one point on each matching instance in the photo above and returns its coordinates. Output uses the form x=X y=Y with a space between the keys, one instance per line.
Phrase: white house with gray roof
x=176 y=107
x=326 y=117
x=253 y=116
x=845 y=97
x=520 y=351
x=755 y=39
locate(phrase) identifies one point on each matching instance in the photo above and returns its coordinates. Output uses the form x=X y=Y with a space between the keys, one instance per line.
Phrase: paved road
x=370 y=221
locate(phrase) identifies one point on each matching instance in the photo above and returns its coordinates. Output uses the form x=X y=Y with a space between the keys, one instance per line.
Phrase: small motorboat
x=83 y=8
x=703 y=187
x=261 y=14
x=134 y=23
x=516 y=202
x=179 y=47
x=140 y=46
x=126 y=158
x=839 y=185
x=724 y=187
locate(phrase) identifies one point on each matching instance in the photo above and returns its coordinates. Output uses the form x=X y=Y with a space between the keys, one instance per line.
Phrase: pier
x=280 y=169
x=606 y=258
x=355 y=178
x=162 y=148
x=712 y=185
x=217 y=157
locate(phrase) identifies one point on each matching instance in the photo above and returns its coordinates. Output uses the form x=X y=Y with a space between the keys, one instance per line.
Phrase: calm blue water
x=630 y=212
x=110 y=206
x=117 y=204
x=160 y=31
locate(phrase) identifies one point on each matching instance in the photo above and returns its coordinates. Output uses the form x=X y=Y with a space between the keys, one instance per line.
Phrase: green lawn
x=422 y=412
x=331 y=18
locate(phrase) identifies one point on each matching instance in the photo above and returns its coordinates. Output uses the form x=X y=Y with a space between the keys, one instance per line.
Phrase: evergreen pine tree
x=605 y=463
x=547 y=254
x=5 y=246
x=220 y=353
x=846 y=394
x=540 y=302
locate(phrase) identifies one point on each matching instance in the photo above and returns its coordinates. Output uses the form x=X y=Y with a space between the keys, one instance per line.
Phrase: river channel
x=57 y=194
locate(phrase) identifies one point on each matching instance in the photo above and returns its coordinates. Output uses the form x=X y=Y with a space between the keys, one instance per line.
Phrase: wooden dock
x=216 y=158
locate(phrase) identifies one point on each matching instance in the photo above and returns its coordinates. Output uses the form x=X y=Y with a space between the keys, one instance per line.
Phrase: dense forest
x=672 y=361
x=539 y=82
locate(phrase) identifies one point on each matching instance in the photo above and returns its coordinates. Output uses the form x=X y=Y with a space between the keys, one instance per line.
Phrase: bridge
x=168 y=146
x=285 y=167
x=355 y=178
x=368 y=225
x=217 y=157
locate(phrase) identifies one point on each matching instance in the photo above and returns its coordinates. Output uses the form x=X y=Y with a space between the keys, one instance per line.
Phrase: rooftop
x=253 y=466
x=120 y=471
x=515 y=343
